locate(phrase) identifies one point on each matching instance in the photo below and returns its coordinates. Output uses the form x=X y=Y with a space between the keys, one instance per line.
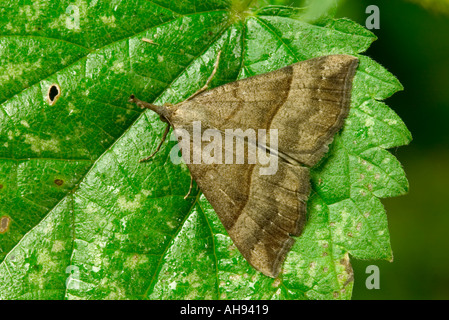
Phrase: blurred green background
x=413 y=43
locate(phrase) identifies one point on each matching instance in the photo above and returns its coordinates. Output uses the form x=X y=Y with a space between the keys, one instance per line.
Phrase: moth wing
x=306 y=103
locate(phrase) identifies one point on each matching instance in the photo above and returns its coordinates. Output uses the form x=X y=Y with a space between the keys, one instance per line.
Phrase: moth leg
x=209 y=80
x=190 y=189
x=164 y=136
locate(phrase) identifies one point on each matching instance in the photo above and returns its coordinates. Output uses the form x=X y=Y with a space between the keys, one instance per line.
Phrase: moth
x=307 y=103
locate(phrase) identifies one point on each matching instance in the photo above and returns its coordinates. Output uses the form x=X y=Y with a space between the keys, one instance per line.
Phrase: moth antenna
x=190 y=188
x=209 y=80
x=164 y=136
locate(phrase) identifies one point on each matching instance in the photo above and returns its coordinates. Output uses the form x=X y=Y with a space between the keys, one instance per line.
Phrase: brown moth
x=307 y=103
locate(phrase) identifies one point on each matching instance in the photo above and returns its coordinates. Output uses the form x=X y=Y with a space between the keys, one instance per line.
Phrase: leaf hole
x=54 y=92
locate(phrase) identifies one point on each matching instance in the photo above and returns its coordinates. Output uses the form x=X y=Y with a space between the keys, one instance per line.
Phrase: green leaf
x=86 y=220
